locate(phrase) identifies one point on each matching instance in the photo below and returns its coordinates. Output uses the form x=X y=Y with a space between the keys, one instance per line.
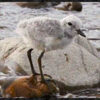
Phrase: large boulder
x=76 y=65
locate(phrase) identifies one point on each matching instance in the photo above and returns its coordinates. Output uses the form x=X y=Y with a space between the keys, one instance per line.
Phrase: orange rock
x=30 y=86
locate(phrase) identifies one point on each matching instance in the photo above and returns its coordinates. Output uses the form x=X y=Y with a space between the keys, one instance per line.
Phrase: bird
x=39 y=26
x=46 y=34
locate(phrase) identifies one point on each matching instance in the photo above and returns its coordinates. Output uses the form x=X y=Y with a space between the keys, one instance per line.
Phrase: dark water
x=11 y=14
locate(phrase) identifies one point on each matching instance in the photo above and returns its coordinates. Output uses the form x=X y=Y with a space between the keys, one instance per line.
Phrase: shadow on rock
x=64 y=89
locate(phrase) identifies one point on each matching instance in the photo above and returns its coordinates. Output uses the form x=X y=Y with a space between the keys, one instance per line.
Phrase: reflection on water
x=11 y=14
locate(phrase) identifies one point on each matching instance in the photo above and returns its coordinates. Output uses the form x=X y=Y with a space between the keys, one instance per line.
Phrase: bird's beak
x=81 y=33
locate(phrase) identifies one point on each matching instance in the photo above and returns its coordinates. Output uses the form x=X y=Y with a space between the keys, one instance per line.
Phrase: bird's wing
x=39 y=28
x=44 y=27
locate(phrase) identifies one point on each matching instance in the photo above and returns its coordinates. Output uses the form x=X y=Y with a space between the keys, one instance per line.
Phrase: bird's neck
x=67 y=35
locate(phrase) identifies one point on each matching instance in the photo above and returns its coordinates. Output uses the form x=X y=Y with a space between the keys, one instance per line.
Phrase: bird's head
x=72 y=26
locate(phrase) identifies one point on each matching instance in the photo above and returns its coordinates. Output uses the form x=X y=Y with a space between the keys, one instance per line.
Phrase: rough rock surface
x=75 y=65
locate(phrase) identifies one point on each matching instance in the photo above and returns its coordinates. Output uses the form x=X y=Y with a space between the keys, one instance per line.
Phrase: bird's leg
x=41 y=72
x=40 y=66
x=30 y=60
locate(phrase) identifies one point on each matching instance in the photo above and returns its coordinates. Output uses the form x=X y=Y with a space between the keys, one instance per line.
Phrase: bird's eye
x=69 y=23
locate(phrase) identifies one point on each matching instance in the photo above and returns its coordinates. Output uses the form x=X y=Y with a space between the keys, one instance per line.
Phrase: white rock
x=87 y=45
x=80 y=66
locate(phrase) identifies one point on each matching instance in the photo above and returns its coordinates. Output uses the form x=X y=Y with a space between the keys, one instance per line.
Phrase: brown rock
x=29 y=4
x=36 y=4
x=70 y=6
x=77 y=6
x=30 y=86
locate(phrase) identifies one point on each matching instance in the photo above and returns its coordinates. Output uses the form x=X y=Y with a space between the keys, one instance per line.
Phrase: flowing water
x=11 y=14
